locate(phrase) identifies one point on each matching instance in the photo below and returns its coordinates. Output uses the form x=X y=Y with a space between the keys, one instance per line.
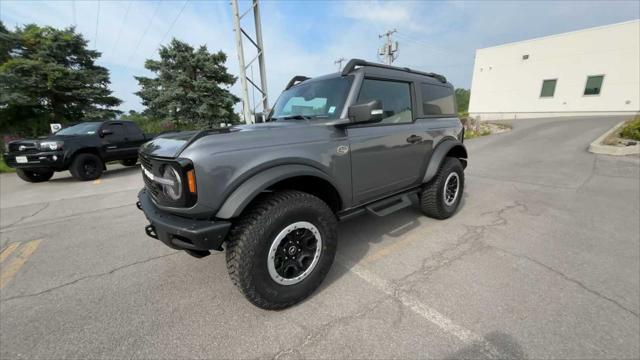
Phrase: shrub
x=631 y=130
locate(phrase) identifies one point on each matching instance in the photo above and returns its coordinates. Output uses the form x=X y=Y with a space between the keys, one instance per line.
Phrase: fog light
x=54 y=157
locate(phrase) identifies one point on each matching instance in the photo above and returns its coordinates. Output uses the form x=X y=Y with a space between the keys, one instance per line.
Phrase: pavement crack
x=46 y=205
x=572 y=280
x=87 y=277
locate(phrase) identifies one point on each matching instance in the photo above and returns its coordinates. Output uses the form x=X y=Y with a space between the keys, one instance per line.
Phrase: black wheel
x=441 y=196
x=34 y=176
x=129 y=162
x=86 y=167
x=281 y=249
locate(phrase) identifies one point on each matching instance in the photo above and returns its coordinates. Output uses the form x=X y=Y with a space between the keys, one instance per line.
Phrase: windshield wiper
x=296 y=117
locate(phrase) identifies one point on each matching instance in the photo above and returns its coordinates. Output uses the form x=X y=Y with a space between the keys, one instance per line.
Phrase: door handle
x=414 y=139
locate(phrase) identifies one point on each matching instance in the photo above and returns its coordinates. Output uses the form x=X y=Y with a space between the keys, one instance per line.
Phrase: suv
x=367 y=139
x=83 y=149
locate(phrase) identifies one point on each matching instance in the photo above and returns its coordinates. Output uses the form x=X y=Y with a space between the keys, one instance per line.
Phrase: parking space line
x=8 y=250
x=97 y=182
x=7 y=273
x=432 y=315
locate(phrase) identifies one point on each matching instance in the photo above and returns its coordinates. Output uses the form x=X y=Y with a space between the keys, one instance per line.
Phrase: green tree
x=191 y=86
x=462 y=98
x=49 y=75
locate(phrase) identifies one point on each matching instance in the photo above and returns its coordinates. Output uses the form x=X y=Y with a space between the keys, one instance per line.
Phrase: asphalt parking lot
x=542 y=261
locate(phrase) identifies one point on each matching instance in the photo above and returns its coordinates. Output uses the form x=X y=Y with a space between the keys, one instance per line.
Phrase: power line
x=95 y=38
x=174 y=21
x=124 y=19
x=145 y=31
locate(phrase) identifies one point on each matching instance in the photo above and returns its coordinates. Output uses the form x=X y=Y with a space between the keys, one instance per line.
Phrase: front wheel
x=34 y=176
x=281 y=249
x=441 y=196
x=86 y=166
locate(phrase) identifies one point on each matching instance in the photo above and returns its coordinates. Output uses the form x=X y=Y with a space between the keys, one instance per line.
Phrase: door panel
x=113 y=144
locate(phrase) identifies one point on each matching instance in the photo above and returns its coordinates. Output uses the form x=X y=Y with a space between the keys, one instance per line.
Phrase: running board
x=389 y=205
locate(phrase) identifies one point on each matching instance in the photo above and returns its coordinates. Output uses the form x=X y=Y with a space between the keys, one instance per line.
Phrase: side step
x=390 y=205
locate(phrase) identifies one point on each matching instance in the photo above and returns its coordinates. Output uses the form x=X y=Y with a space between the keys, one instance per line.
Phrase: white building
x=593 y=71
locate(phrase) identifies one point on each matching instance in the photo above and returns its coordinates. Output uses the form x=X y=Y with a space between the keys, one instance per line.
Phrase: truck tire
x=86 y=166
x=34 y=176
x=441 y=196
x=281 y=249
x=129 y=162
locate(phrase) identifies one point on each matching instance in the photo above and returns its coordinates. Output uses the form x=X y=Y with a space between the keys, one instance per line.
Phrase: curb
x=597 y=147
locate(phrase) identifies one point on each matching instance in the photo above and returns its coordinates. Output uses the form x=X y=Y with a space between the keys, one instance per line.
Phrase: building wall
x=505 y=86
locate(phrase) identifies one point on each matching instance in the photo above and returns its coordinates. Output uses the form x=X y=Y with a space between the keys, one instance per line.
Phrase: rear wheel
x=34 y=176
x=281 y=249
x=129 y=162
x=86 y=167
x=441 y=196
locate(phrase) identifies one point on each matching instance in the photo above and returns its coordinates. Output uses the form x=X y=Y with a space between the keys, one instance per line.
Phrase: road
x=542 y=261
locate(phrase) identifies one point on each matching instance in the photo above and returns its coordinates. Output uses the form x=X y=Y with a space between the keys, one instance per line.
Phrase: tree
x=462 y=99
x=191 y=86
x=49 y=75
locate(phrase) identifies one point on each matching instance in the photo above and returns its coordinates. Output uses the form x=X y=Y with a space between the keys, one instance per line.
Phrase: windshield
x=313 y=99
x=87 y=128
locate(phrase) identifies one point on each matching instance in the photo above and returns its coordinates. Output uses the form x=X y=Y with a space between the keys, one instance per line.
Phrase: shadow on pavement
x=505 y=344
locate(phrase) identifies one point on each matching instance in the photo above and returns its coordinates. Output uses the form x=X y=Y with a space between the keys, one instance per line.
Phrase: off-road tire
x=129 y=162
x=432 y=201
x=34 y=176
x=251 y=237
x=86 y=166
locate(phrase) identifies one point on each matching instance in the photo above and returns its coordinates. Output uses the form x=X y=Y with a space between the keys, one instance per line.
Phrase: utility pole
x=390 y=49
x=247 y=109
x=339 y=63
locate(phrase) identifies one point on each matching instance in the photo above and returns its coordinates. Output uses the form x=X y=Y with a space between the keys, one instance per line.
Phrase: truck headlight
x=173 y=187
x=50 y=145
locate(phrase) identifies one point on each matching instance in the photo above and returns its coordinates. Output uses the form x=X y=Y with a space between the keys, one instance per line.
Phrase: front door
x=113 y=143
x=386 y=156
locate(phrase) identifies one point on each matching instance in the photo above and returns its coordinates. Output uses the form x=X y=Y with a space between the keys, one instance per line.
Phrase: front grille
x=146 y=162
x=23 y=147
x=152 y=187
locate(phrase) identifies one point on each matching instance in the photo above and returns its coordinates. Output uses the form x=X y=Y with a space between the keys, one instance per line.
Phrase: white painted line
x=428 y=313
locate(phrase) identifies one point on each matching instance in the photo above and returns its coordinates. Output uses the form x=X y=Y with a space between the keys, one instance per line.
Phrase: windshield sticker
x=332 y=109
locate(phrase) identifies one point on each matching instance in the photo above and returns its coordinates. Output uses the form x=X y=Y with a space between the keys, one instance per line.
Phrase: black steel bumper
x=45 y=159
x=195 y=236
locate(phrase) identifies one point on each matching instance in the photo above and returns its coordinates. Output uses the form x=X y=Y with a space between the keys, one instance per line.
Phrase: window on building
x=395 y=97
x=594 y=85
x=548 y=88
x=437 y=100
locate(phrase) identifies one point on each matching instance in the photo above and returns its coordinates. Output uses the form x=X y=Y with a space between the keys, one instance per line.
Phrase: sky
x=306 y=37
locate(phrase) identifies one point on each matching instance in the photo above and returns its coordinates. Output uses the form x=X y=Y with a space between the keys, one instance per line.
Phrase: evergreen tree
x=48 y=75
x=191 y=86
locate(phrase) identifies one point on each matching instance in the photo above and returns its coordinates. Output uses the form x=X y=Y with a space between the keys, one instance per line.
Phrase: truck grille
x=23 y=147
x=152 y=187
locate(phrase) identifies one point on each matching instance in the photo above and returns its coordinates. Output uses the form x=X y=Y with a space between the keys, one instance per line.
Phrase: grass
x=3 y=166
x=470 y=134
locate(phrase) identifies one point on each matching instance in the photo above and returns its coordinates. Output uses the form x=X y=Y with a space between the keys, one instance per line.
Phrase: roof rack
x=296 y=80
x=359 y=62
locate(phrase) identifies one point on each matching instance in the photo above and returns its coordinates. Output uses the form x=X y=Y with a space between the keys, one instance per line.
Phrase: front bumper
x=44 y=159
x=195 y=236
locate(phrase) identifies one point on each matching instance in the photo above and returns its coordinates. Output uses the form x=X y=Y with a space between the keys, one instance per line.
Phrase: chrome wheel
x=451 y=188
x=294 y=253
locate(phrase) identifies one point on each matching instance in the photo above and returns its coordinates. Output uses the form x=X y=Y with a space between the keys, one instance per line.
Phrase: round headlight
x=174 y=192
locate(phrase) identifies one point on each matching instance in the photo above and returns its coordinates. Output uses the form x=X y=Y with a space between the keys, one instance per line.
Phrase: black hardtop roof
x=353 y=63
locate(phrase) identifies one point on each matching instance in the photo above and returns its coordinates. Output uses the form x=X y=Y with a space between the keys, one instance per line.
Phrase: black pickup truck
x=83 y=149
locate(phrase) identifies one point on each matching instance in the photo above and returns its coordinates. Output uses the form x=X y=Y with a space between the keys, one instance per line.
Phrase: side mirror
x=258 y=117
x=105 y=132
x=368 y=112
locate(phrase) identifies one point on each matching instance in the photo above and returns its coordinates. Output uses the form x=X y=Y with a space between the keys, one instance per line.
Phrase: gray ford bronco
x=368 y=139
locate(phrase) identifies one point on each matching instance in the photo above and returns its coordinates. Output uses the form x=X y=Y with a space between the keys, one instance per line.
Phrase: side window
x=395 y=97
x=133 y=132
x=594 y=85
x=438 y=100
x=118 y=132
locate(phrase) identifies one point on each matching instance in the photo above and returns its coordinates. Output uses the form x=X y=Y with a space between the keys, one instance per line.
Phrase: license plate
x=21 y=159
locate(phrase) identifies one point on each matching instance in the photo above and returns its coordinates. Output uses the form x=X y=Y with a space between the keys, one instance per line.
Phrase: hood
x=171 y=145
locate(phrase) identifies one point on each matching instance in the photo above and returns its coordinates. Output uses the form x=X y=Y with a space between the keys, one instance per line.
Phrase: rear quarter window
x=438 y=100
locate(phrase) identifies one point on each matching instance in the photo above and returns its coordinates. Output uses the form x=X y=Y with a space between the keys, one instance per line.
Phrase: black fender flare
x=236 y=202
x=441 y=151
